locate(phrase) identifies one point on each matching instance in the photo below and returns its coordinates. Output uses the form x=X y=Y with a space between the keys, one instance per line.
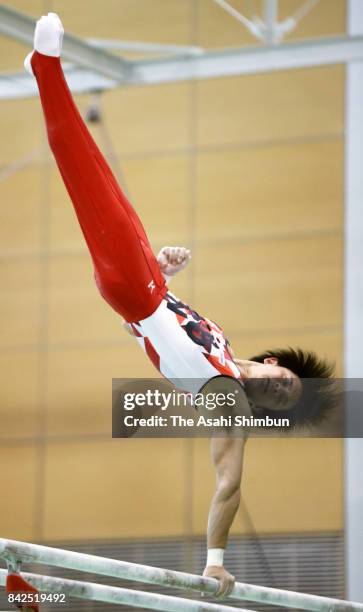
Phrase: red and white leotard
x=184 y=345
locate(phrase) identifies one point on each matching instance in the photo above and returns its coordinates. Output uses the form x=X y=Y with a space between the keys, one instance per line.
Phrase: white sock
x=48 y=36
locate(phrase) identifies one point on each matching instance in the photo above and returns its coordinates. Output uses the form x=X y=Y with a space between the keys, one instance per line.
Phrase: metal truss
x=94 y=68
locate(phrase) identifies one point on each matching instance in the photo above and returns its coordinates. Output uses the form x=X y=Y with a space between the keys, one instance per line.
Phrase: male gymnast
x=182 y=344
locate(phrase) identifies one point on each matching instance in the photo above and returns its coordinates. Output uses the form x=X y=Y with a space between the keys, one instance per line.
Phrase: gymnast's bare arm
x=227 y=456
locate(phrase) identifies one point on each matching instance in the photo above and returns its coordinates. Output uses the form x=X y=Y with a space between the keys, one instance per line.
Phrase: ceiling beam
x=248 y=60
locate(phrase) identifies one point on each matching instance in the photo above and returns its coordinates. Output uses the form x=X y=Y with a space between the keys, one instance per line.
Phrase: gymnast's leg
x=126 y=269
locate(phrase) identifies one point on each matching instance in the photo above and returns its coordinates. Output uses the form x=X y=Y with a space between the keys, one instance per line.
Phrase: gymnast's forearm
x=227 y=456
x=223 y=509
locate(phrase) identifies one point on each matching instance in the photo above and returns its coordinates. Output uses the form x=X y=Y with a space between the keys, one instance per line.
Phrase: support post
x=353 y=300
x=271 y=19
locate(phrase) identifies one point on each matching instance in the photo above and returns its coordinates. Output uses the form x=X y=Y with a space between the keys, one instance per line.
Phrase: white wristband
x=215 y=556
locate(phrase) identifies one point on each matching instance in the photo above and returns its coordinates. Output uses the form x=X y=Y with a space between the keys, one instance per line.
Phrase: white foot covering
x=48 y=38
x=27 y=63
x=48 y=35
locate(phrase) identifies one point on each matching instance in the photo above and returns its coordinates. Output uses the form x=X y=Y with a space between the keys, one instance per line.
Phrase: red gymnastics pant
x=126 y=270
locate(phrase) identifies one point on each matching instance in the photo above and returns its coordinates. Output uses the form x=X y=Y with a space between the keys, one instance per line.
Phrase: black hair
x=319 y=392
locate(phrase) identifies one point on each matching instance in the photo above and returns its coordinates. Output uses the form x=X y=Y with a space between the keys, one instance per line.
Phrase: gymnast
x=182 y=344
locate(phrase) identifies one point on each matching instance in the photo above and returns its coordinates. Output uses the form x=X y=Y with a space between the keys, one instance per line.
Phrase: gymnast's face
x=271 y=386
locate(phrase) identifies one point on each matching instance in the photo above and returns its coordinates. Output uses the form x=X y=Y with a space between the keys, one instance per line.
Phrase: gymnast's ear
x=271 y=361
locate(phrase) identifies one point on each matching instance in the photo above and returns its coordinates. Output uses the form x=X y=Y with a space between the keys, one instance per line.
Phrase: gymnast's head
x=290 y=383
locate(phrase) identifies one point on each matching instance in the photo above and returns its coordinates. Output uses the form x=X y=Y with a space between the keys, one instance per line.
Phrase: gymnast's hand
x=173 y=259
x=226 y=580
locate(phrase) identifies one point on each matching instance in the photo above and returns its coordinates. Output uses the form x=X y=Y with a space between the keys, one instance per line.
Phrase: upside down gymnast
x=182 y=344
